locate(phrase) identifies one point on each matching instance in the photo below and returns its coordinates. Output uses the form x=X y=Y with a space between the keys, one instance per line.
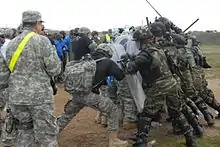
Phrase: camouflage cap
x=103 y=47
x=31 y=16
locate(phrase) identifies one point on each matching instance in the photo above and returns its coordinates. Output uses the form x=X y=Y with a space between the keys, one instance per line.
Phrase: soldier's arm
x=4 y=73
x=50 y=58
x=142 y=61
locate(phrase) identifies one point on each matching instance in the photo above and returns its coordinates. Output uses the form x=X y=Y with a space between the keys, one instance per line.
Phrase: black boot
x=144 y=124
x=188 y=133
x=208 y=117
x=218 y=116
x=190 y=140
x=176 y=129
x=198 y=130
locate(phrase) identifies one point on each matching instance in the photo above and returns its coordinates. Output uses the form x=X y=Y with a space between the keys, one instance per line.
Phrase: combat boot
x=114 y=141
x=129 y=125
x=144 y=124
x=218 y=116
x=198 y=130
x=208 y=117
x=98 y=117
x=190 y=139
x=104 y=120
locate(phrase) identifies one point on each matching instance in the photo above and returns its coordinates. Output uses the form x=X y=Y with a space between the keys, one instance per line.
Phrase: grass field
x=212 y=53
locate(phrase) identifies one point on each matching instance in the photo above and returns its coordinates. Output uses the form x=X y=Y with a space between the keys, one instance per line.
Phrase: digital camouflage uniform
x=124 y=93
x=88 y=77
x=101 y=118
x=97 y=102
x=31 y=95
x=128 y=103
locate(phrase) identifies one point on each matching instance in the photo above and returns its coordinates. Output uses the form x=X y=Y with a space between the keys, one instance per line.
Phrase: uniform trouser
x=128 y=103
x=110 y=92
x=2 y=106
x=100 y=103
x=155 y=101
x=35 y=124
x=197 y=81
x=207 y=94
x=113 y=94
x=7 y=139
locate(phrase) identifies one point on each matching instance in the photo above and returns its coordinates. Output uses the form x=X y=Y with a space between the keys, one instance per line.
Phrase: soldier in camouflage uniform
x=158 y=84
x=124 y=93
x=95 y=100
x=178 y=65
x=186 y=90
x=200 y=82
x=190 y=91
x=31 y=95
x=202 y=85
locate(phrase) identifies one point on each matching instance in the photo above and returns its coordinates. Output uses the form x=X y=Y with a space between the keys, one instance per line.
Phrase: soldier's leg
x=204 y=109
x=105 y=105
x=129 y=106
x=209 y=97
x=113 y=95
x=45 y=125
x=104 y=93
x=153 y=104
x=25 y=125
x=71 y=108
x=186 y=94
x=175 y=107
x=199 y=101
x=193 y=121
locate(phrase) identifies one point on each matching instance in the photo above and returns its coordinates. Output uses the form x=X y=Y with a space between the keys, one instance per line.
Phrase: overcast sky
x=104 y=14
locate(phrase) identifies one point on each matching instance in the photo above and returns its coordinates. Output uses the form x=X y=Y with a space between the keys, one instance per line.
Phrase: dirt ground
x=83 y=132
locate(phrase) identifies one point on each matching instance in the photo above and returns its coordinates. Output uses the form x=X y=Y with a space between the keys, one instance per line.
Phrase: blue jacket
x=59 y=47
x=66 y=43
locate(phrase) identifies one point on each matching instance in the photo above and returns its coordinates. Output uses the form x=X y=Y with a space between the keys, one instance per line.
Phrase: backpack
x=79 y=76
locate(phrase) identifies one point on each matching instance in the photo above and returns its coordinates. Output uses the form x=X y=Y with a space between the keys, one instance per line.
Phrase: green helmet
x=105 y=48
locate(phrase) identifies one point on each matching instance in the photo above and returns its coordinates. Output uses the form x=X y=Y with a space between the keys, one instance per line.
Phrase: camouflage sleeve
x=50 y=58
x=4 y=73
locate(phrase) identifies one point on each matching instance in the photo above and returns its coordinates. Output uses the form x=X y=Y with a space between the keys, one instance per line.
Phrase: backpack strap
x=18 y=51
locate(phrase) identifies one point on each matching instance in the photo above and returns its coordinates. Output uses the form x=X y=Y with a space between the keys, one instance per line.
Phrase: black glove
x=125 y=57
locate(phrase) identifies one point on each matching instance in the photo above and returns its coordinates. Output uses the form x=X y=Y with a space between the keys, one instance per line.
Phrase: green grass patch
x=176 y=141
x=212 y=53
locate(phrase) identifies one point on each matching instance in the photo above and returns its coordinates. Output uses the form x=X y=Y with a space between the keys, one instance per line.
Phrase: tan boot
x=98 y=117
x=129 y=125
x=114 y=141
x=104 y=120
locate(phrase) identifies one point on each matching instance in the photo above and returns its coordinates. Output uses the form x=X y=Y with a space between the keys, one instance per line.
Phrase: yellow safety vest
x=108 y=38
x=18 y=51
